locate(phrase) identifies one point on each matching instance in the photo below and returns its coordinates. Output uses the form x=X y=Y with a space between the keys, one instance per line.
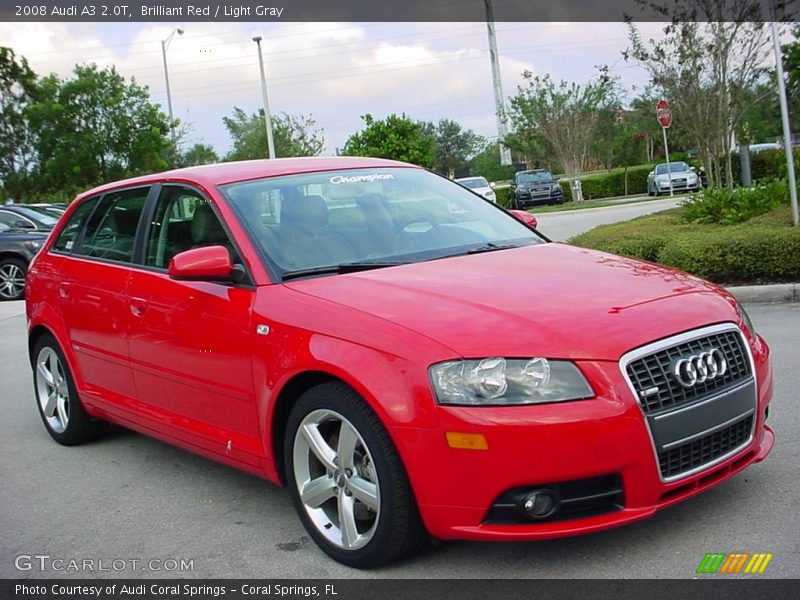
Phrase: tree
x=454 y=145
x=564 y=115
x=705 y=70
x=395 y=137
x=199 y=154
x=293 y=136
x=95 y=128
x=17 y=86
x=487 y=164
x=791 y=65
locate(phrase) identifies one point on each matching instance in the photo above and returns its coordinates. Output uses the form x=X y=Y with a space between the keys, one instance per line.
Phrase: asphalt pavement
x=129 y=498
x=562 y=225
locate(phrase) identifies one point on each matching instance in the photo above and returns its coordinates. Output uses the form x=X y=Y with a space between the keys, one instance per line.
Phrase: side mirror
x=24 y=225
x=492 y=184
x=211 y=263
x=524 y=216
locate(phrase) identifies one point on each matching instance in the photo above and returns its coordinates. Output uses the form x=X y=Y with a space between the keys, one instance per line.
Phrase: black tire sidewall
x=343 y=400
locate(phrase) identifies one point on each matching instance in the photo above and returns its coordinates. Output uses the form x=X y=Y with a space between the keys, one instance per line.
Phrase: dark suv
x=535 y=187
x=17 y=248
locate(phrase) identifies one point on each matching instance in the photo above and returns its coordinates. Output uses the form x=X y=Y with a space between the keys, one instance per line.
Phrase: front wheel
x=347 y=481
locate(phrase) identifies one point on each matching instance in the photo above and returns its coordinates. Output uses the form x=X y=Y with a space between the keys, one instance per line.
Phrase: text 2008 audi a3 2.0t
x=408 y=358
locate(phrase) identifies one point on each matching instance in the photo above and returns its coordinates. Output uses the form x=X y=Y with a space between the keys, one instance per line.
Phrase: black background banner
x=390 y=10
x=708 y=588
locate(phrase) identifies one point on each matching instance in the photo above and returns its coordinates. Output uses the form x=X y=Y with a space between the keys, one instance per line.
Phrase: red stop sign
x=663 y=113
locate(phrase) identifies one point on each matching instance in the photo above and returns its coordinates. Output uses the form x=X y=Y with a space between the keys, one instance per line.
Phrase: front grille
x=697 y=453
x=655 y=371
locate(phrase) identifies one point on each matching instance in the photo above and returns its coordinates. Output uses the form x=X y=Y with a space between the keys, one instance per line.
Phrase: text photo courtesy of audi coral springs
x=367 y=334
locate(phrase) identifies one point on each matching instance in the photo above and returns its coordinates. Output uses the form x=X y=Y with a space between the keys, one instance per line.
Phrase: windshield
x=473 y=183
x=41 y=217
x=363 y=217
x=46 y=210
x=677 y=167
x=535 y=177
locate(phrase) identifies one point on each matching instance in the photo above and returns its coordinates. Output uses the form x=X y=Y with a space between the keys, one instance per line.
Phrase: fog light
x=539 y=504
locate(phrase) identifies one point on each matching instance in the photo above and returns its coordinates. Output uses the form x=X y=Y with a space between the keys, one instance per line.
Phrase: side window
x=69 y=235
x=182 y=220
x=13 y=219
x=111 y=230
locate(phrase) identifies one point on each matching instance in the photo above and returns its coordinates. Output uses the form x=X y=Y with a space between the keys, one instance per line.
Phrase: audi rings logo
x=700 y=368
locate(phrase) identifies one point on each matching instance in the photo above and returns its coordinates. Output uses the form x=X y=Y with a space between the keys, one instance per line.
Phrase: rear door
x=191 y=342
x=92 y=287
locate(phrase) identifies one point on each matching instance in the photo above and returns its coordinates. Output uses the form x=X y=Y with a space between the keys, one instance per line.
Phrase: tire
x=57 y=398
x=384 y=522
x=12 y=278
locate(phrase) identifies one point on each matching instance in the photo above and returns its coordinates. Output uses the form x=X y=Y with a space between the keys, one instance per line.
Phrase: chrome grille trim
x=670 y=342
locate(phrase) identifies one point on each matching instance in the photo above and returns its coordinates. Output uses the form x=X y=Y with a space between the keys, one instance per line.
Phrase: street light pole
x=164 y=45
x=497 y=85
x=267 y=117
x=787 y=132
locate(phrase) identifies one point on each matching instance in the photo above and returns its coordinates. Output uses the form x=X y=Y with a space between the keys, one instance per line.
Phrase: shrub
x=611 y=184
x=738 y=205
x=763 y=249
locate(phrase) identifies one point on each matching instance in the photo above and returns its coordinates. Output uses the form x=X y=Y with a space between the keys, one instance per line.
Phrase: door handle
x=138 y=306
x=63 y=289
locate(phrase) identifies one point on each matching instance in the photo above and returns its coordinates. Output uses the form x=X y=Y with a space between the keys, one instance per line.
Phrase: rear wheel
x=12 y=278
x=347 y=481
x=59 y=406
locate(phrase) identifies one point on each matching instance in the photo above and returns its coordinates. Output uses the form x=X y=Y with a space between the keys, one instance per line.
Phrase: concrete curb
x=761 y=294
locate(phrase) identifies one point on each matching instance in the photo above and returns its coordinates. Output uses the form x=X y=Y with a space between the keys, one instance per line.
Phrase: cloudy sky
x=333 y=71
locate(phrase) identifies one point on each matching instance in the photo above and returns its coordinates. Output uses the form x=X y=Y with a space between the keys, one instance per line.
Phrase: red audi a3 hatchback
x=408 y=358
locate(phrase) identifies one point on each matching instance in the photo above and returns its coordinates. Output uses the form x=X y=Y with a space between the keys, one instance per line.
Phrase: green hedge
x=612 y=184
x=763 y=249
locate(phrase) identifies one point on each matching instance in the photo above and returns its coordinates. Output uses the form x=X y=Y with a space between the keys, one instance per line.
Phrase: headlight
x=33 y=245
x=489 y=194
x=502 y=382
x=746 y=318
x=663 y=179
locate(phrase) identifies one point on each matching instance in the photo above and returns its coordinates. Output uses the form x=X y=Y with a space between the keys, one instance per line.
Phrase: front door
x=191 y=342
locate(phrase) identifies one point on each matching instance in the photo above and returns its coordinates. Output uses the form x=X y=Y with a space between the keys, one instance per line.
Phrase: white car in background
x=479 y=185
x=684 y=179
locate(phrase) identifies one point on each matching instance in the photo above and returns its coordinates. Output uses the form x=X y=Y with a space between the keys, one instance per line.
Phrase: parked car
x=17 y=248
x=479 y=185
x=55 y=210
x=535 y=187
x=408 y=359
x=684 y=178
x=23 y=217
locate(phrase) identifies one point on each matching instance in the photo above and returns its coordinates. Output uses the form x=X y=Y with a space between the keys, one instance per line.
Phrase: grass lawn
x=536 y=210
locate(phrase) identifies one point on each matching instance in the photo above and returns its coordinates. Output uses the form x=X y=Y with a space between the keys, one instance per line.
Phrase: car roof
x=230 y=172
x=469 y=178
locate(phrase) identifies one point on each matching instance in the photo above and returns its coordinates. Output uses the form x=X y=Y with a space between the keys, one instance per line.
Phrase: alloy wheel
x=52 y=390
x=336 y=479
x=12 y=281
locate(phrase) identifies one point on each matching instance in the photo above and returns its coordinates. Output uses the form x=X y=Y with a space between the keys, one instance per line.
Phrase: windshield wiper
x=490 y=247
x=352 y=267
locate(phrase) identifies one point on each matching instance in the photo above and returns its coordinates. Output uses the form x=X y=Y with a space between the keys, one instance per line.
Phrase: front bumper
x=532 y=199
x=537 y=445
x=678 y=187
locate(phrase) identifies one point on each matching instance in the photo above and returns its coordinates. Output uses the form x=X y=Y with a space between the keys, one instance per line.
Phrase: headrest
x=206 y=228
x=307 y=212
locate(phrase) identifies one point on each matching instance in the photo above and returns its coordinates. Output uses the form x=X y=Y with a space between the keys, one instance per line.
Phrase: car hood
x=550 y=300
x=677 y=175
